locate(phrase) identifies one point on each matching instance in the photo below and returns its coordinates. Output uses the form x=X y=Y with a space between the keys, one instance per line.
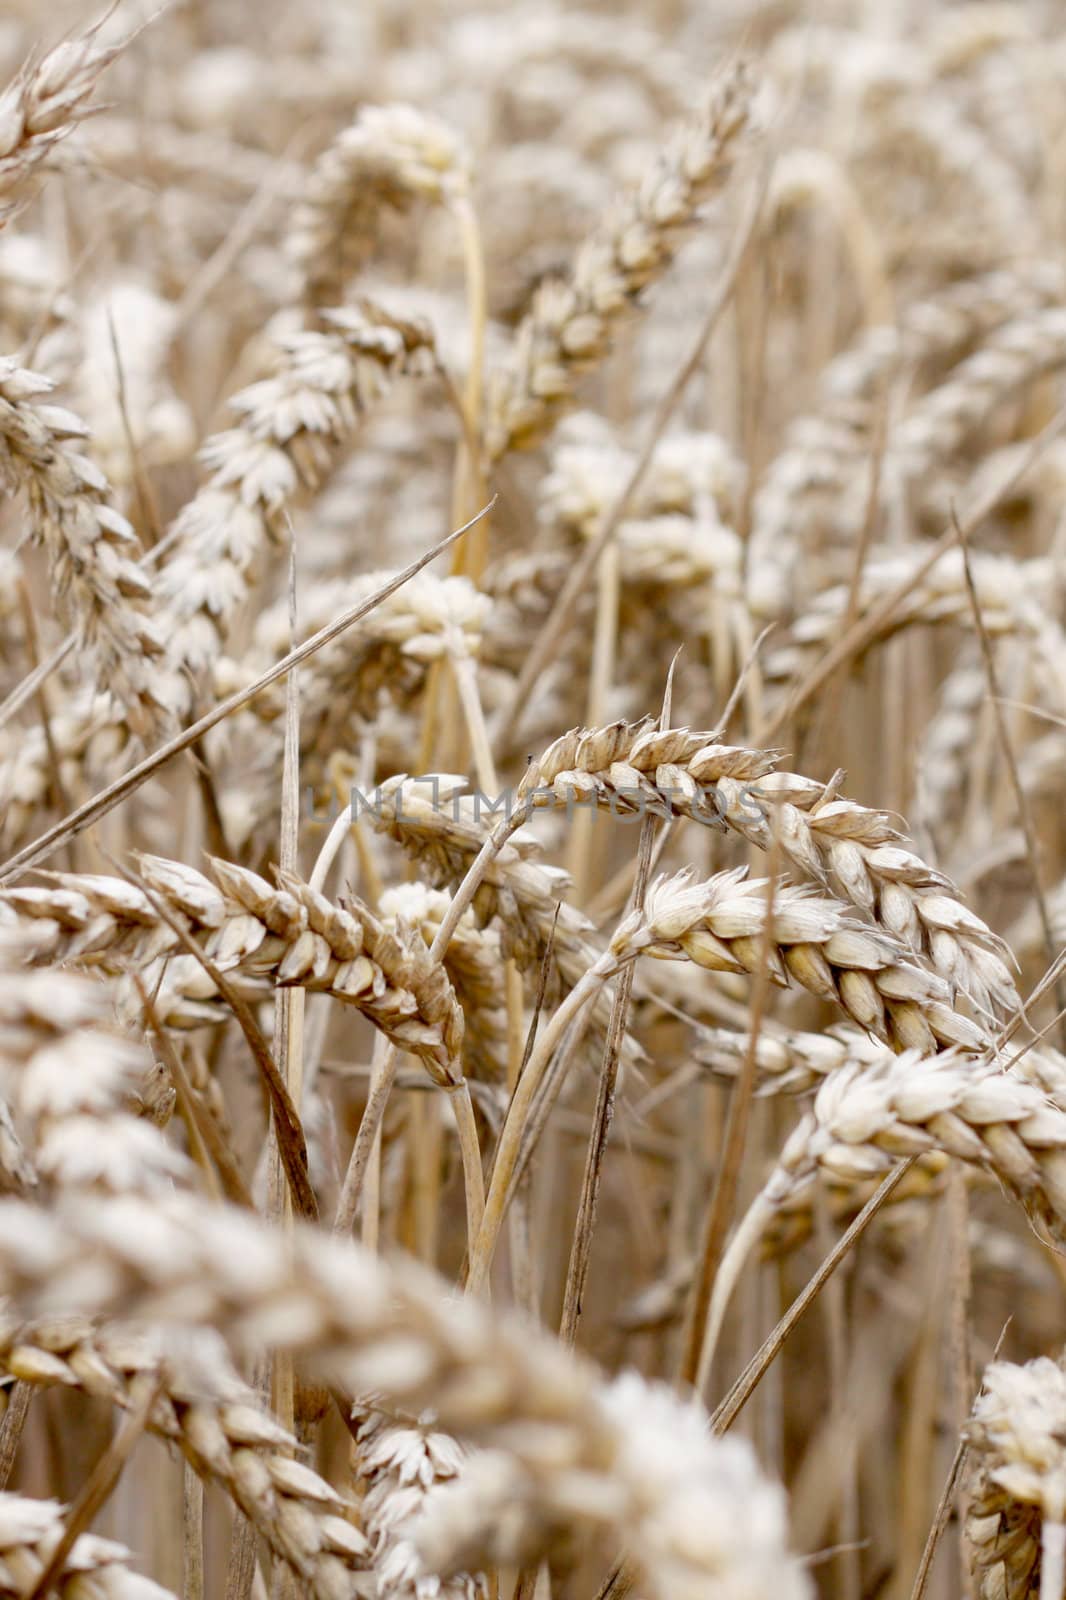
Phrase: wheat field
x=532 y=847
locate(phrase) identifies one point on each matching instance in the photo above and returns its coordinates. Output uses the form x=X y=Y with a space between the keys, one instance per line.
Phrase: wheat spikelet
x=400 y=1466
x=689 y=473
x=499 y=1510
x=789 y=1061
x=473 y=962
x=795 y=1062
x=85 y=1096
x=443 y=829
x=425 y=620
x=679 y=530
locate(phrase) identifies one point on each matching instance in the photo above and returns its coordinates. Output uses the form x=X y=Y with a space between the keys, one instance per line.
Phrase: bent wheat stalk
x=720 y=925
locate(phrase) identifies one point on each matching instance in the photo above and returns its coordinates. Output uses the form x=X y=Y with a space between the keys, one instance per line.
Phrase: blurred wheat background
x=532 y=850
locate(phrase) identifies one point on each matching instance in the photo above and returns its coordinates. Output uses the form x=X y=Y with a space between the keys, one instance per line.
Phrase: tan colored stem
x=507 y=1151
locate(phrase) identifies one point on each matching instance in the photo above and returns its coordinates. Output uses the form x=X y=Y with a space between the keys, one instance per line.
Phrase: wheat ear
x=389 y=158
x=868 y=1116
x=1017 y=1493
x=30 y=1531
x=221 y=1427
x=290 y=934
x=605 y=1457
x=42 y=106
x=570 y=324
x=92 y=550
x=851 y=848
